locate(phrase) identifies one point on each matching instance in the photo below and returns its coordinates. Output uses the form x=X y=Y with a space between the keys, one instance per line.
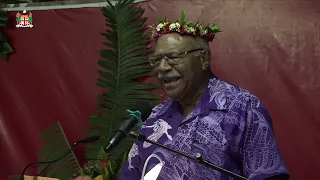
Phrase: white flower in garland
x=204 y=32
x=174 y=26
x=191 y=30
x=159 y=26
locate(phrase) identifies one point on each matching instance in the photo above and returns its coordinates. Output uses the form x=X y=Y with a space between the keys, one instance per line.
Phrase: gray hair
x=201 y=43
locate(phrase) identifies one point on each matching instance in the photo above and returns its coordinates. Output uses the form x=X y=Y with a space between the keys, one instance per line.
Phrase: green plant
x=5 y=47
x=94 y=168
x=103 y=169
x=55 y=145
x=123 y=62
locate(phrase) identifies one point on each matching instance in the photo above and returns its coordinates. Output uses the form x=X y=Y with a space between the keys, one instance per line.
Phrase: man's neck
x=190 y=102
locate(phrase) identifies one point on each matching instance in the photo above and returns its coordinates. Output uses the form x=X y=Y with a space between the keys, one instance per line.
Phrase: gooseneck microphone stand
x=87 y=140
x=198 y=157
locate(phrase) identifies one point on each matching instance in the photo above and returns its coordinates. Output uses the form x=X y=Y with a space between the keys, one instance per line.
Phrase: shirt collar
x=213 y=98
x=215 y=95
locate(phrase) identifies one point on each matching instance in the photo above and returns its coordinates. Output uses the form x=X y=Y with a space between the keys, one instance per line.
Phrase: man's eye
x=154 y=58
x=174 y=57
x=158 y=59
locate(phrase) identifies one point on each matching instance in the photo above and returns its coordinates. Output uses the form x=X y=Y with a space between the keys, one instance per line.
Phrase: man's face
x=179 y=73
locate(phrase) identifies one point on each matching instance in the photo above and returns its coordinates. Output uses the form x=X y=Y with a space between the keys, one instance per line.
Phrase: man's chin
x=173 y=93
x=172 y=86
x=173 y=90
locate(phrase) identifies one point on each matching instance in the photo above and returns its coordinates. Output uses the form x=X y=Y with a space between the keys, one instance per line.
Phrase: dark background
x=270 y=47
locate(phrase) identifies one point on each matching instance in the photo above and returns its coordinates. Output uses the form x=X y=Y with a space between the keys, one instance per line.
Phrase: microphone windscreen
x=145 y=108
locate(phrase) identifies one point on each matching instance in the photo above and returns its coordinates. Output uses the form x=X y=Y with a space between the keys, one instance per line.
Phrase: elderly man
x=227 y=125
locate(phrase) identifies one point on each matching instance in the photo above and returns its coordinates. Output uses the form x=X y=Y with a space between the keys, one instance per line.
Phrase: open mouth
x=170 y=80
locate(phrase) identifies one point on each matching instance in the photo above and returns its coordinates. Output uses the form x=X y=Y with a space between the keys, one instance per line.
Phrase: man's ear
x=205 y=60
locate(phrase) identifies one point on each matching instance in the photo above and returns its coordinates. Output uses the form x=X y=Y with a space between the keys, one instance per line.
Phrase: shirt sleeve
x=131 y=169
x=261 y=158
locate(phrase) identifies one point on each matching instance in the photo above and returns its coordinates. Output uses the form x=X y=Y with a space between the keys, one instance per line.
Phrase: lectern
x=31 y=178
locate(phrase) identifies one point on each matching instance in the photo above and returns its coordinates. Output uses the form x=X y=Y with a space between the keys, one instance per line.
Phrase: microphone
x=138 y=114
x=86 y=140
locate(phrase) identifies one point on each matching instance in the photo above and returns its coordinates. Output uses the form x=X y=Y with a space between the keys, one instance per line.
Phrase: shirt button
x=198 y=156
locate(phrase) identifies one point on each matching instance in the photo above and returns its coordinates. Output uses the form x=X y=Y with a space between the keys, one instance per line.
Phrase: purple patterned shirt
x=229 y=127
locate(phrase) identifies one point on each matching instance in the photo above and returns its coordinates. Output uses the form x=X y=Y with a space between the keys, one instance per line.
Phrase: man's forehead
x=173 y=42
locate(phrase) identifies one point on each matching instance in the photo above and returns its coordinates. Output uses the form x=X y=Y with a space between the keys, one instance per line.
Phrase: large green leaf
x=123 y=62
x=5 y=47
x=55 y=146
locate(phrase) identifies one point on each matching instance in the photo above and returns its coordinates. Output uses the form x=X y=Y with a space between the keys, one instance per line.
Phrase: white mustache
x=170 y=74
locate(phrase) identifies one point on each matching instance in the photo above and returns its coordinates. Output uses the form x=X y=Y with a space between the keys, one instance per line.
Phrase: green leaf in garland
x=196 y=24
x=215 y=28
x=182 y=17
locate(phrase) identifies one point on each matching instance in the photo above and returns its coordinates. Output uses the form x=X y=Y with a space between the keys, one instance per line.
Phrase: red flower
x=102 y=163
x=210 y=35
x=181 y=29
x=166 y=27
x=197 y=31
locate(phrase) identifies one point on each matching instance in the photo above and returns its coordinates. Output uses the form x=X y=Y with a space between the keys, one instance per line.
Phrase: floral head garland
x=164 y=26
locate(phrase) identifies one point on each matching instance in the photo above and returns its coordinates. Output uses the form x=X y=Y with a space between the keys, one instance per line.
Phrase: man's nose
x=164 y=65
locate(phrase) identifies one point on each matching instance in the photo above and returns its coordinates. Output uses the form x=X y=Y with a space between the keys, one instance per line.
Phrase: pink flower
x=154 y=34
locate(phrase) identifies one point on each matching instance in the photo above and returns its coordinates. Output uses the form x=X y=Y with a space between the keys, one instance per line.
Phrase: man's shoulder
x=236 y=93
x=240 y=100
x=159 y=109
